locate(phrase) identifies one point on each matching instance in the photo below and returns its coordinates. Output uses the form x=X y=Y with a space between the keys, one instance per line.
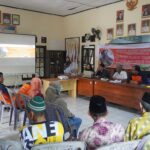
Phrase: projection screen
x=17 y=53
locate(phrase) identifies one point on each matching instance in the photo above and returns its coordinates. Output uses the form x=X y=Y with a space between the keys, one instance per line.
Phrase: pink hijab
x=36 y=85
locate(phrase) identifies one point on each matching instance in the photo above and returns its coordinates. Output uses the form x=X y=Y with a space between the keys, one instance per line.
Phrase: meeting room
x=75 y=75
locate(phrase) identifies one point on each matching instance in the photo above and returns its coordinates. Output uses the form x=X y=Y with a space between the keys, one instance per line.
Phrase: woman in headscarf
x=30 y=89
x=36 y=86
x=52 y=96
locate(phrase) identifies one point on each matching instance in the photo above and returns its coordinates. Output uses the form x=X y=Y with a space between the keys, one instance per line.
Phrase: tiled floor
x=79 y=107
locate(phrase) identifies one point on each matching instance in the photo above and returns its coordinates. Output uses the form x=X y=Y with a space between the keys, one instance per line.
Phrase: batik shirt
x=102 y=133
x=138 y=127
x=41 y=133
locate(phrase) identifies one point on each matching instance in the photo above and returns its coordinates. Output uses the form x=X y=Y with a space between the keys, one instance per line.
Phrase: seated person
x=102 y=72
x=88 y=71
x=102 y=132
x=40 y=131
x=23 y=90
x=137 y=77
x=144 y=144
x=36 y=87
x=52 y=95
x=67 y=63
x=120 y=74
x=68 y=66
x=3 y=90
x=140 y=126
x=30 y=89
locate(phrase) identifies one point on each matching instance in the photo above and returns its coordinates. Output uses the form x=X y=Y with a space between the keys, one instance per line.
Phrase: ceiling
x=57 y=7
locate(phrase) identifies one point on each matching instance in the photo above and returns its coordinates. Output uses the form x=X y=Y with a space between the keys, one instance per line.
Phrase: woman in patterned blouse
x=102 y=132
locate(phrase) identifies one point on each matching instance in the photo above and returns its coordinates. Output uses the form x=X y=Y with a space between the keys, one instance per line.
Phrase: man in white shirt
x=120 y=74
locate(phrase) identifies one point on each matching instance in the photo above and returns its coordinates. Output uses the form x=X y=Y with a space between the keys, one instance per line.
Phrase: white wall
x=104 y=18
x=39 y=24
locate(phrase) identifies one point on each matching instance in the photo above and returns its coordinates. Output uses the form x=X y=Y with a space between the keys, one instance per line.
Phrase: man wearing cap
x=40 y=131
x=102 y=132
x=140 y=126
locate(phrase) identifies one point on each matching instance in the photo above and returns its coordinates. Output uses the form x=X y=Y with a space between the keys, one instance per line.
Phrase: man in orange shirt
x=137 y=76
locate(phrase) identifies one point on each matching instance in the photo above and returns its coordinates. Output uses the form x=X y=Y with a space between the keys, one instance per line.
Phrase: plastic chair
x=130 y=145
x=14 y=110
x=75 y=145
x=25 y=99
x=10 y=145
x=3 y=106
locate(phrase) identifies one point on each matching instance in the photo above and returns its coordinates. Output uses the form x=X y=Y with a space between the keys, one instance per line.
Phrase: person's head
x=36 y=109
x=145 y=102
x=136 y=69
x=1 y=77
x=88 y=66
x=97 y=107
x=36 y=85
x=53 y=91
x=119 y=68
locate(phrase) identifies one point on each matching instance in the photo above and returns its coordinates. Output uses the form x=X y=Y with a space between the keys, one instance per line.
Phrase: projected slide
x=15 y=58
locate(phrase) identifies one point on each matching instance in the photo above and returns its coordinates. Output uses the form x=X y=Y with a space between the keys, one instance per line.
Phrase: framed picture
x=43 y=39
x=110 y=33
x=15 y=19
x=145 y=26
x=120 y=15
x=132 y=29
x=119 y=29
x=146 y=10
x=6 y=18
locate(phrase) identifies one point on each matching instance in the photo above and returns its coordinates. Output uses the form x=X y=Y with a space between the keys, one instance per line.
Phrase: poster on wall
x=128 y=55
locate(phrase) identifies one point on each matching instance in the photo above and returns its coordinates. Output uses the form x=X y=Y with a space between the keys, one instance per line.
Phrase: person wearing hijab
x=36 y=86
x=52 y=96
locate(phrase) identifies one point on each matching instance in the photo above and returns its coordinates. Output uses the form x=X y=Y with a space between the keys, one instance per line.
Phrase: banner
x=128 y=55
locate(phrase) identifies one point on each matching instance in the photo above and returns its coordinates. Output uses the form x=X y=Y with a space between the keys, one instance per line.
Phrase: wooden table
x=66 y=85
x=124 y=94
